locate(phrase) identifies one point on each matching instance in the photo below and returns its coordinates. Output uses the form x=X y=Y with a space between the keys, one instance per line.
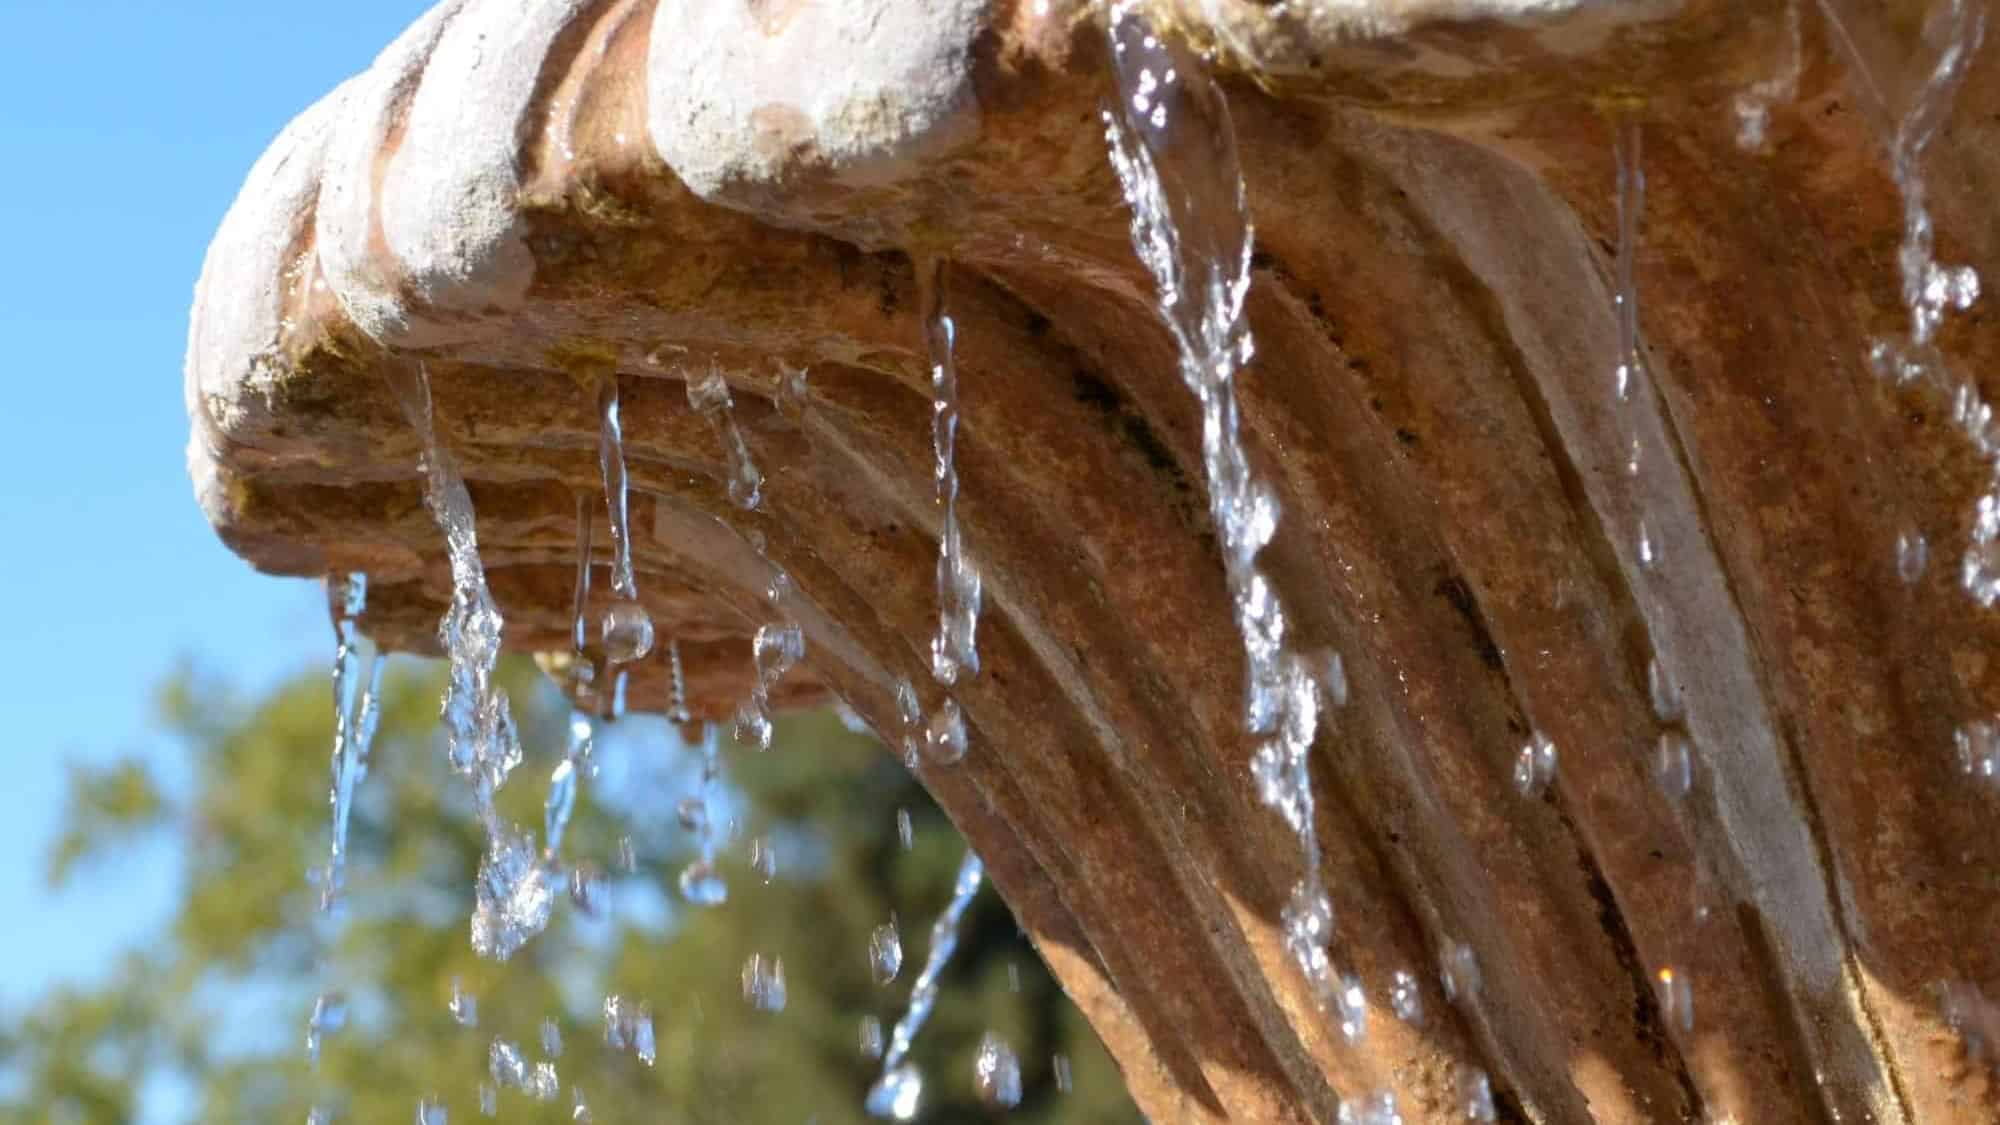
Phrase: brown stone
x=528 y=201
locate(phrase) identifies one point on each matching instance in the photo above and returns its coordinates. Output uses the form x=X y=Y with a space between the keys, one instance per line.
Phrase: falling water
x=627 y=627
x=955 y=649
x=1174 y=149
x=996 y=1072
x=1932 y=291
x=513 y=892
x=701 y=882
x=563 y=780
x=677 y=699
x=885 y=952
x=764 y=983
x=897 y=1093
x=357 y=706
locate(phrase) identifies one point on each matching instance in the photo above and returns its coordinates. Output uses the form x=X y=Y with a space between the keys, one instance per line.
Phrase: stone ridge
x=528 y=197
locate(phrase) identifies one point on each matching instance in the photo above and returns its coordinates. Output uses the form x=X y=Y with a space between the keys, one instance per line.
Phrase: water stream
x=898 y=1094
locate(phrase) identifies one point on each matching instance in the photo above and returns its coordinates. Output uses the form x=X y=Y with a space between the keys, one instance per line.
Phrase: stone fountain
x=524 y=199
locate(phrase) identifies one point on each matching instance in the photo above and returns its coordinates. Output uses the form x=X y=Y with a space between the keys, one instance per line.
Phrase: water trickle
x=430 y=1112
x=1458 y=972
x=885 y=952
x=1173 y=147
x=1676 y=997
x=764 y=983
x=945 y=738
x=1535 y=766
x=1475 y=1095
x=905 y=834
x=329 y=1015
x=357 y=689
x=911 y=712
x=677 y=700
x=996 y=1073
x=871 y=1037
x=1352 y=1007
x=897 y=1093
x=480 y=737
x=463 y=1006
x=1060 y=1063
x=955 y=649
x=708 y=395
x=1673 y=765
x=1753 y=106
x=1913 y=556
x=627 y=628
x=1932 y=290
x=1406 y=997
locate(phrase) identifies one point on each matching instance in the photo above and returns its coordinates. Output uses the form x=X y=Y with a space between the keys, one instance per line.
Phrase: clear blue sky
x=128 y=126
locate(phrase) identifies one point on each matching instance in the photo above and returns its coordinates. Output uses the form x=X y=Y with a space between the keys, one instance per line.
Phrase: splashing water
x=627 y=627
x=898 y=1092
x=996 y=1072
x=1932 y=290
x=357 y=707
x=955 y=648
x=512 y=890
x=709 y=397
x=885 y=952
x=1174 y=150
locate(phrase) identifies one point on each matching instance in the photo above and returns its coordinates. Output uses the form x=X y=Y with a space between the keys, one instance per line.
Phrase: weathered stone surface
x=527 y=196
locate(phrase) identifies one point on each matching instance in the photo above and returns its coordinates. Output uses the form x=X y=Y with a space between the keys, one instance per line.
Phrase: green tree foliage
x=221 y=998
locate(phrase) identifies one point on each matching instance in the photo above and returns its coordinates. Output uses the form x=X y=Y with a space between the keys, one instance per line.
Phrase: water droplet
x=464 y=1006
x=329 y=1015
x=791 y=392
x=430 y=1112
x=1406 y=997
x=1535 y=766
x=1379 y=1109
x=506 y=1066
x=559 y=805
x=587 y=889
x=1458 y=972
x=897 y=1094
x=489 y=1100
x=1673 y=765
x=1913 y=555
x=642 y=1037
x=579 y=1109
x=546 y=1083
x=552 y=1041
x=1307 y=923
x=764 y=983
x=1333 y=679
x=1475 y=1095
x=1665 y=693
x=1063 y=1080
x=945 y=739
x=1013 y=977
x=996 y=1073
x=692 y=812
x=905 y=833
x=627 y=631
x=1648 y=553
x=628 y=857
x=319 y=1115
x=702 y=885
x=885 y=953
x=764 y=858
x=1352 y=1004
x=709 y=396
x=871 y=1037
x=1676 y=997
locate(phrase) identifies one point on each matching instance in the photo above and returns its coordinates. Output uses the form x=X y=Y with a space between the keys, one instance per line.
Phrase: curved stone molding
x=527 y=196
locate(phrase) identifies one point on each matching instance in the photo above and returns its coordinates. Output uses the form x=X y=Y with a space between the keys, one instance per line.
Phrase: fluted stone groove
x=528 y=196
